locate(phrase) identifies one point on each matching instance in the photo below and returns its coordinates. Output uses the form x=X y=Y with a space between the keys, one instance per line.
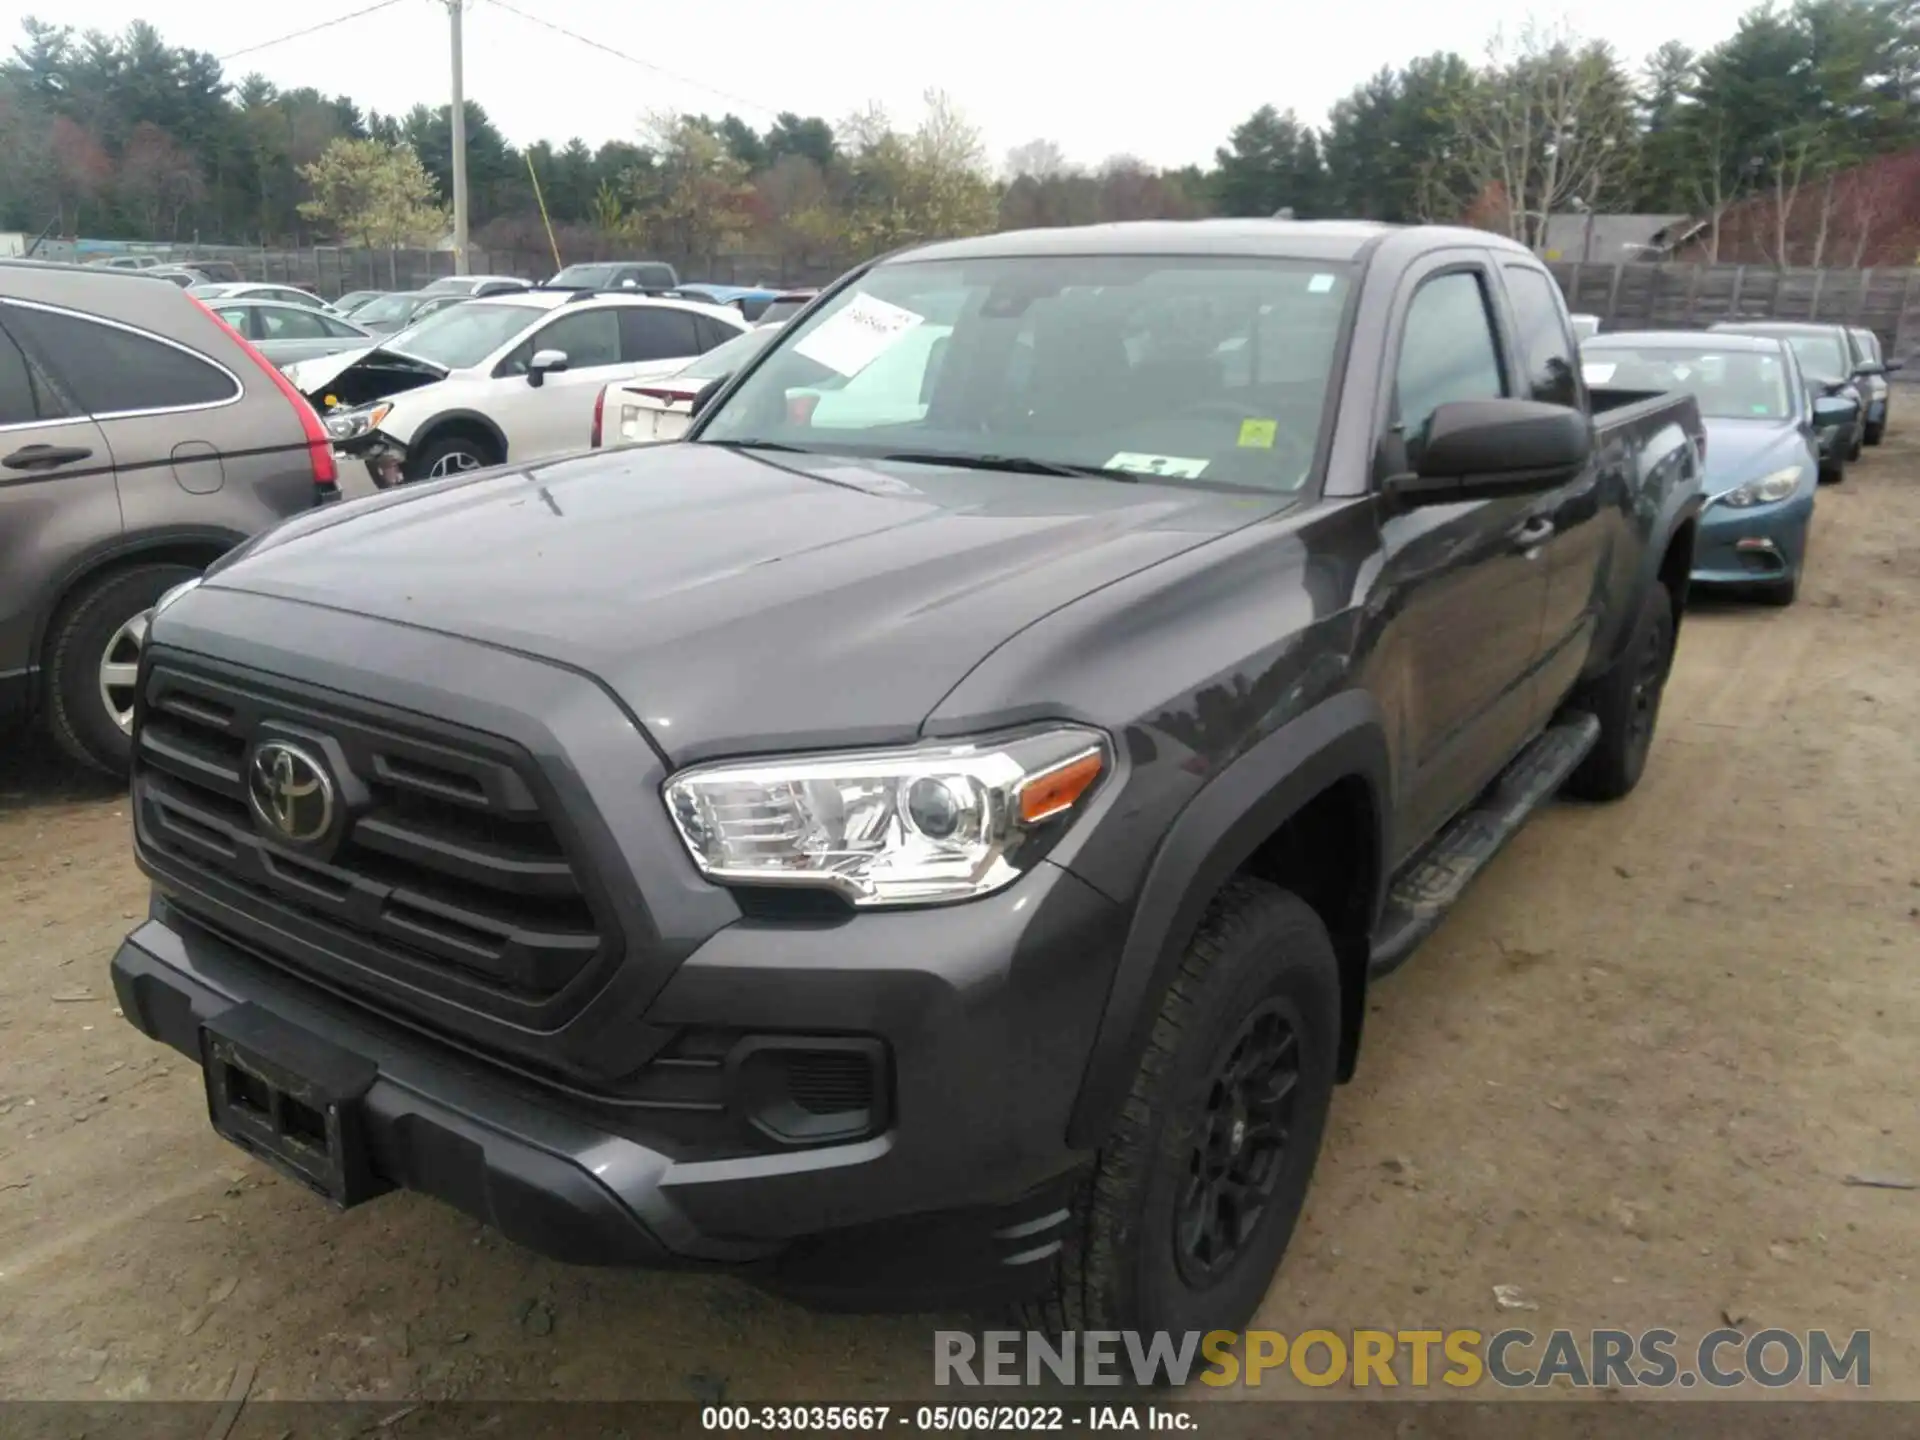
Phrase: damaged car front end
x=355 y=398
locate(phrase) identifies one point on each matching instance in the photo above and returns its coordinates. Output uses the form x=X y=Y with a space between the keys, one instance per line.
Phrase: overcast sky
x=1163 y=81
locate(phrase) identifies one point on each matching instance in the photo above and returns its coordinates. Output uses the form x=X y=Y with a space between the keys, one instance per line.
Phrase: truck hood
x=739 y=601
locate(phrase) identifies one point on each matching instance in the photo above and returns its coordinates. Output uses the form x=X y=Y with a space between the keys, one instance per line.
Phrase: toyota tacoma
x=926 y=838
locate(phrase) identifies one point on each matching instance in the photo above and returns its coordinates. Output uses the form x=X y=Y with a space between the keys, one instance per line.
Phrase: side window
x=591 y=338
x=647 y=333
x=1447 y=352
x=286 y=322
x=111 y=371
x=24 y=398
x=241 y=318
x=1546 y=349
x=336 y=329
x=711 y=333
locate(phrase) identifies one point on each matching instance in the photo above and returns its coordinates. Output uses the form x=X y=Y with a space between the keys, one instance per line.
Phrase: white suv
x=508 y=377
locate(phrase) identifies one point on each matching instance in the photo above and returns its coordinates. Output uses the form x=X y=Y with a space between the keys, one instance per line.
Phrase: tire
x=1876 y=433
x=451 y=455
x=1260 y=967
x=98 y=626
x=1832 y=472
x=1626 y=700
x=1858 y=441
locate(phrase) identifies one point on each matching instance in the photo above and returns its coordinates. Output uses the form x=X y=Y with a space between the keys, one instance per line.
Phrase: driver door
x=553 y=413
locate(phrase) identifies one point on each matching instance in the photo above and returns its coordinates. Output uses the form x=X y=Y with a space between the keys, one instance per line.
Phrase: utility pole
x=459 y=118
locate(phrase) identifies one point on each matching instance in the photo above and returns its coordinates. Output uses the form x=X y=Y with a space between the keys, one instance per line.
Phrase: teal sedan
x=1763 y=458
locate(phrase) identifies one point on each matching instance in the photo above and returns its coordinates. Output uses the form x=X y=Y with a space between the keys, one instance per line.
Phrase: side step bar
x=1423 y=892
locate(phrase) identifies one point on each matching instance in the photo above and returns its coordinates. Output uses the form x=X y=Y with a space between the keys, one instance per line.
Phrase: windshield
x=451 y=285
x=588 y=276
x=785 y=309
x=1728 y=384
x=462 y=335
x=1821 y=356
x=1184 y=368
x=385 y=308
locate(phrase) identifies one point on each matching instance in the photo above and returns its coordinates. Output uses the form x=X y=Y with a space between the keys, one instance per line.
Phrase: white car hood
x=312 y=374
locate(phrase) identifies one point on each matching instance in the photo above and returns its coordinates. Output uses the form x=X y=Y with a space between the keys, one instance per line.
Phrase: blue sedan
x=1763 y=460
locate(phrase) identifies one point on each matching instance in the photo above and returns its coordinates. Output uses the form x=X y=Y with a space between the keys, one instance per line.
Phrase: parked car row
x=1786 y=407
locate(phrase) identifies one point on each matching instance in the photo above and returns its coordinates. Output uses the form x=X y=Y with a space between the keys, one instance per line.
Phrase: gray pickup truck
x=927 y=838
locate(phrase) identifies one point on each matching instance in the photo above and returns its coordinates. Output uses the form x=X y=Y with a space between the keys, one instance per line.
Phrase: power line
x=310 y=30
x=593 y=44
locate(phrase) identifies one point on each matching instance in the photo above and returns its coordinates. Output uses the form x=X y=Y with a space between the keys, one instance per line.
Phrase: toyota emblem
x=291 y=792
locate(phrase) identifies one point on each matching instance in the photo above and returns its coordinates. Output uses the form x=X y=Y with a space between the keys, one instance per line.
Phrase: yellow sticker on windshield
x=1257 y=434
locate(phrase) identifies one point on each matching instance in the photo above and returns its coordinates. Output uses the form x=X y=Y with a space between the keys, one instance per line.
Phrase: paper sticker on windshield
x=1319 y=284
x=858 y=335
x=1257 y=434
x=1598 y=374
x=1158 y=465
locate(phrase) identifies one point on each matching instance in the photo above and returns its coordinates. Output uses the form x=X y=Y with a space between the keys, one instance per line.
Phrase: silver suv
x=140 y=439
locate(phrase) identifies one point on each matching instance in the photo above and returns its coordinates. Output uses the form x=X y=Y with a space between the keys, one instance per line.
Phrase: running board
x=1422 y=894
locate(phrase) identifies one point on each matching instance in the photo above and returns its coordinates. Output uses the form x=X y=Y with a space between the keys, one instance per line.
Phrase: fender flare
x=118 y=551
x=1342 y=737
x=423 y=435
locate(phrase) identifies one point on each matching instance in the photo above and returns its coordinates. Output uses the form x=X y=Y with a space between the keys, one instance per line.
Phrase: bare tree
x=1716 y=180
x=1040 y=159
x=1549 y=123
x=1793 y=158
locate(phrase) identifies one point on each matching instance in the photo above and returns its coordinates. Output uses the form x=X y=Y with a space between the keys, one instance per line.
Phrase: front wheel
x=1196 y=1192
x=453 y=455
x=93 y=665
x=1626 y=701
x=1876 y=433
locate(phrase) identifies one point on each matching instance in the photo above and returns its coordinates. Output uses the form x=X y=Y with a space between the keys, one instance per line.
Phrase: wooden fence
x=1685 y=297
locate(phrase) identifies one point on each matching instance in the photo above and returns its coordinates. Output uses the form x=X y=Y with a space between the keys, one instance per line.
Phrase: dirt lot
x=1630 y=1076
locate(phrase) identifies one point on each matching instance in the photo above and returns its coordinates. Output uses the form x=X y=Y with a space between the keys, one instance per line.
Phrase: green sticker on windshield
x=1758 y=409
x=1257 y=434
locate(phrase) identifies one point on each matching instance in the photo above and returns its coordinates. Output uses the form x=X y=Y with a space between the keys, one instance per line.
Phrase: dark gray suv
x=140 y=439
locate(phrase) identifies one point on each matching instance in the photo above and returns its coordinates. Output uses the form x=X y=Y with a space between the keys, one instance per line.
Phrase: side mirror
x=544 y=363
x=1834 y=410
x=1872 y=367
x=1482 y=449
x=704 y=396
x=1893 y=365
x=1833 y=387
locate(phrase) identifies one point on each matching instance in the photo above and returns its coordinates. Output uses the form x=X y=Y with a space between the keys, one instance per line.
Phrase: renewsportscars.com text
x=1409 y=1359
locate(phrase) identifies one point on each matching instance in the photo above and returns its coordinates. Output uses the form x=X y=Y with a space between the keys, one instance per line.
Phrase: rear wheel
x=1196 y=1192
x=452 y=455
x=1876 y=433
x=1626 y=701
x=93 y=658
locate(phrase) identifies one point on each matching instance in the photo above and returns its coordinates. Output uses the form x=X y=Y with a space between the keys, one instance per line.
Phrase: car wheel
x=1626 y=701
x=1833 y=471
x=93 y=657
x=1876 y=433
x=1859 y=439
x=1195 y=1194
x=453 y=455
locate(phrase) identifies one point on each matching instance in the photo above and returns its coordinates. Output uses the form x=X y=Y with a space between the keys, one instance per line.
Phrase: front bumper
x=963 y=1198
x=1755 y=546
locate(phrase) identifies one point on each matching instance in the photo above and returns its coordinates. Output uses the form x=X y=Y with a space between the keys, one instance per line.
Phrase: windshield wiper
x=761 y=445
x=1008 y=464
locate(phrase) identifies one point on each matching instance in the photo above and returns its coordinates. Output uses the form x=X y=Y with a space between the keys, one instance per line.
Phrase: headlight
x=1766 y=490
x=923 y=823
x=352 y=424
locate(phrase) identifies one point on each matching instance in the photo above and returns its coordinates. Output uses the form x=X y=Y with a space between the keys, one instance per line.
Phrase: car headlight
x=1766 y=490
x=918 y=824
x=352 y=424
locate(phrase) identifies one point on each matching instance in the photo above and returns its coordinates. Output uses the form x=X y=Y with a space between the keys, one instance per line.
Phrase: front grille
x=445 y=872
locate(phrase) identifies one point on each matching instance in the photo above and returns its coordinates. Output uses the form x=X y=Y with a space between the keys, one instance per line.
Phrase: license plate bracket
x=293 y=1099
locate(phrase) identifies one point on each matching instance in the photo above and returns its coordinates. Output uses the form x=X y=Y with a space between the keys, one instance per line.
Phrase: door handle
x=1535 y=532
x=45 y=457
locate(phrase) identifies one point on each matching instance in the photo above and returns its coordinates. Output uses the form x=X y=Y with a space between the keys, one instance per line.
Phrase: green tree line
x=1764 y=138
